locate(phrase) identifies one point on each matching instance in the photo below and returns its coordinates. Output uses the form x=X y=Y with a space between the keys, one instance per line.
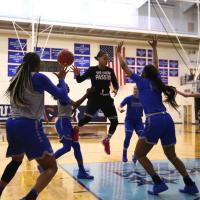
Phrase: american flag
x=114 y=62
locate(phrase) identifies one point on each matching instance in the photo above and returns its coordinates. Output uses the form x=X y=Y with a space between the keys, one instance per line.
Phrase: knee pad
x=10 y=171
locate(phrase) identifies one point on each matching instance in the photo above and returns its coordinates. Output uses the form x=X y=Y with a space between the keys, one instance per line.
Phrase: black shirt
x=100 y=79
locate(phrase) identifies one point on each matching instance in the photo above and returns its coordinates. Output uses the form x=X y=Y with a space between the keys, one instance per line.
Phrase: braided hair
x=22 y=79
x=170 y=92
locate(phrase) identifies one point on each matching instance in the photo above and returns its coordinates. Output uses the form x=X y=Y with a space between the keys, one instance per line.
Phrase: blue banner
x=163 y=63
x=173 y=72
x=82 y=72
x=150 y=62
x=12 y=69
x=139 y=70
x=13 y=44
x=54 y=53
x=164 y=80
x=130 y=61
x=150 y=53
x=4 y=112
x=83 y=49
x=173 y=63
x=141 y=61
x=128 y=79
x=45 y=54
x=15 y=57
x=141 y=52
x=163 y=72
x=82 y=61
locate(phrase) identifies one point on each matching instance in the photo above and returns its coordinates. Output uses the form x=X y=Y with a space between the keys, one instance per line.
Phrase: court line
x=80 y=183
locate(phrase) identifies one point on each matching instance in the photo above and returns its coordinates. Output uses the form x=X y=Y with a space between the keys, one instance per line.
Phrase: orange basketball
x=65 y=57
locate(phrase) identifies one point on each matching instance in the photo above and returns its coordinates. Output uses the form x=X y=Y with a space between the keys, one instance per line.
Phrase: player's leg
x=139 y=128
x=82 y=174
x=129 y=126
x=43 y=154
x=109 y=110
x=168 y=140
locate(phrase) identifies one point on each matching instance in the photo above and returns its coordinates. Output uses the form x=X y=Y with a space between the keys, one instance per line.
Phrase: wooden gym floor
x=63 y=186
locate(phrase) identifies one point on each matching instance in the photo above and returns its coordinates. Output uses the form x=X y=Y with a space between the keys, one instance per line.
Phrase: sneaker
x=40 y=169
x=158 y=188
x=106 y=144
x=84 y=175
x=124 y=156
x=190 y=189
x=75 y=134
x=134 y=159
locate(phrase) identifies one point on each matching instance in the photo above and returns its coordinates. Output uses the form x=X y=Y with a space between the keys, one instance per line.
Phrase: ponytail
x=170 y=92
x=23 y=79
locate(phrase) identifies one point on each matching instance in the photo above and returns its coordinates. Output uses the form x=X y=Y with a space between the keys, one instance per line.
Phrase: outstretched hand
x=62 y=72
x=76 y=70
x=119 y=47
x=153 y=43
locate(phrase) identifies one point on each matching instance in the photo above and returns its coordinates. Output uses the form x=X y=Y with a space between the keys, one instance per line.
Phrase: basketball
x=65 y=57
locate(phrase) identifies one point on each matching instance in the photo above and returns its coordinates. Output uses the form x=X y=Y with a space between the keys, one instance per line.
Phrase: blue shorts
x=134 y=124
x=64 y=128
x=26 y=136
x=159 y=126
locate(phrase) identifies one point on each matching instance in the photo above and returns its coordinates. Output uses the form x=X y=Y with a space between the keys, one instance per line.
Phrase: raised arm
x=192 y=94
x=79 y=78
x=153 y=43
x=122 y=61
x=42 y=83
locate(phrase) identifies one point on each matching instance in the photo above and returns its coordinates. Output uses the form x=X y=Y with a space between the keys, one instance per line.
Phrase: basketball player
x=101 y=76
x=68 y=137
x=133 y=120
x=159 y=124
x=24 y=131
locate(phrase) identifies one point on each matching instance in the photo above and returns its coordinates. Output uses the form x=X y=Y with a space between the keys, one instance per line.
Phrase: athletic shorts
x=134 y=125
x=105 y=103
x=26 y=136
x=159 y=126
x=64 y=128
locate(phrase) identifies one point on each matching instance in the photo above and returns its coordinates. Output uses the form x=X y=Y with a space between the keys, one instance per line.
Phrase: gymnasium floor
x=114 y=180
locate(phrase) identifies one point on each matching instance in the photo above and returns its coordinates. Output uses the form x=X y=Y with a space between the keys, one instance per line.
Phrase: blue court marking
x=119 y=181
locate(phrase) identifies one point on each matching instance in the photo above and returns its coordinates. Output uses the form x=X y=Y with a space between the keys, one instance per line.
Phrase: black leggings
x=106 y=104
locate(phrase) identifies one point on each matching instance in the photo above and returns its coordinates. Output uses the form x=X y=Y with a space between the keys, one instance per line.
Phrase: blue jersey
x=150 y=96
x=42 y=83
x=134 y=107
x=24 y=131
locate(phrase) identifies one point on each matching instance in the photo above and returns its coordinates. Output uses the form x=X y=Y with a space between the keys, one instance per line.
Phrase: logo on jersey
x=103 y=75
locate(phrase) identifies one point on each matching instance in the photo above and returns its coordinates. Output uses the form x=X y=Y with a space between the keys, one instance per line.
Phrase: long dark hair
x=22 y=79
x=170 y=92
